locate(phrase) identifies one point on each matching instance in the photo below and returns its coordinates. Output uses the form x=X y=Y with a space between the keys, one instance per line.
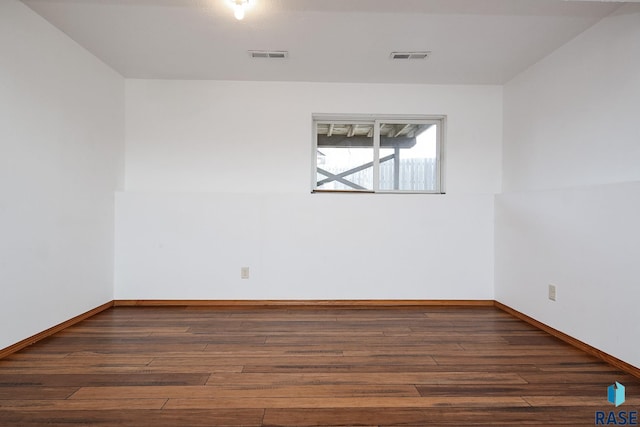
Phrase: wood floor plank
x=294 y=360
x=347 y=402
x=229 y=391
x=551 y=391
x=419 y=350
x=80 y=405
x=604 y=377
x=344 y=348
x=201 y=370
x=78 y=380
x=386 y=340
x=133 y=418
x=339 y=367
x=514 y=359
x=35 y=393
x=85 y=359
x=43 y=347
x=396 y=378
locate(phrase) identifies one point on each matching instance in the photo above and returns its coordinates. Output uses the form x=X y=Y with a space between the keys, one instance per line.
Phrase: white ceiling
x=472 y=41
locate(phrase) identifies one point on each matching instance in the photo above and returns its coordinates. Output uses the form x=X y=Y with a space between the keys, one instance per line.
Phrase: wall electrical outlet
x=552 y=292
x=244 y=272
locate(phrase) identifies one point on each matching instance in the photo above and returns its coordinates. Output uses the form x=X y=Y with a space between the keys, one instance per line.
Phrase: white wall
x=572 y=119
x=569 y=215
x=218 y=177
x=61 y=145
x=215 y=136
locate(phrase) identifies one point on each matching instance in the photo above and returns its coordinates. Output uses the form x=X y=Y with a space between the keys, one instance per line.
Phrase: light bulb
x=239 y=11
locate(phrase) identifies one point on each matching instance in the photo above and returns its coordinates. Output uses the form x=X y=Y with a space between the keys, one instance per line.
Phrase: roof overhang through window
x=337 y=135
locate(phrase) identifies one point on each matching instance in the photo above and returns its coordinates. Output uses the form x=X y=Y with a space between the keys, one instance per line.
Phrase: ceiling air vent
x=410 y=55
x=269 y=54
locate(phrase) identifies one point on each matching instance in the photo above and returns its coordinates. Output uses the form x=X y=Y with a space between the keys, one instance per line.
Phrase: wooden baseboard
x=304 y=303
x=44 y=334
x=614 y=361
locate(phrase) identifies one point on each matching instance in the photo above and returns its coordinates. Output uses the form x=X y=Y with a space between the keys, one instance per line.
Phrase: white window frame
x=376 y=120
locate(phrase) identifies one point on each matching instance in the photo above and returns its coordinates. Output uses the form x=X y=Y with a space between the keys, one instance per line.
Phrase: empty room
x=319 y=212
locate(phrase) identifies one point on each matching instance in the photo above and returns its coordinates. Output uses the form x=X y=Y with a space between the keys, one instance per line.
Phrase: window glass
x=344 y=156
x=408 y=157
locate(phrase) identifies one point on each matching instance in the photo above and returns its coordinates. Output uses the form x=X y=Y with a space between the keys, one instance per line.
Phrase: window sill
x=375 y=192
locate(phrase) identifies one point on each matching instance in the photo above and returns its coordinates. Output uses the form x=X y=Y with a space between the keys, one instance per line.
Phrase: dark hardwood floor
x=196 y=366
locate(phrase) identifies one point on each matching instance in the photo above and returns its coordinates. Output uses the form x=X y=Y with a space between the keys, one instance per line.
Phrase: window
x=378 y=154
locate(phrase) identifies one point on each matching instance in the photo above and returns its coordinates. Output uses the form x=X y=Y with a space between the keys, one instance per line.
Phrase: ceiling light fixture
x=240 y=7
